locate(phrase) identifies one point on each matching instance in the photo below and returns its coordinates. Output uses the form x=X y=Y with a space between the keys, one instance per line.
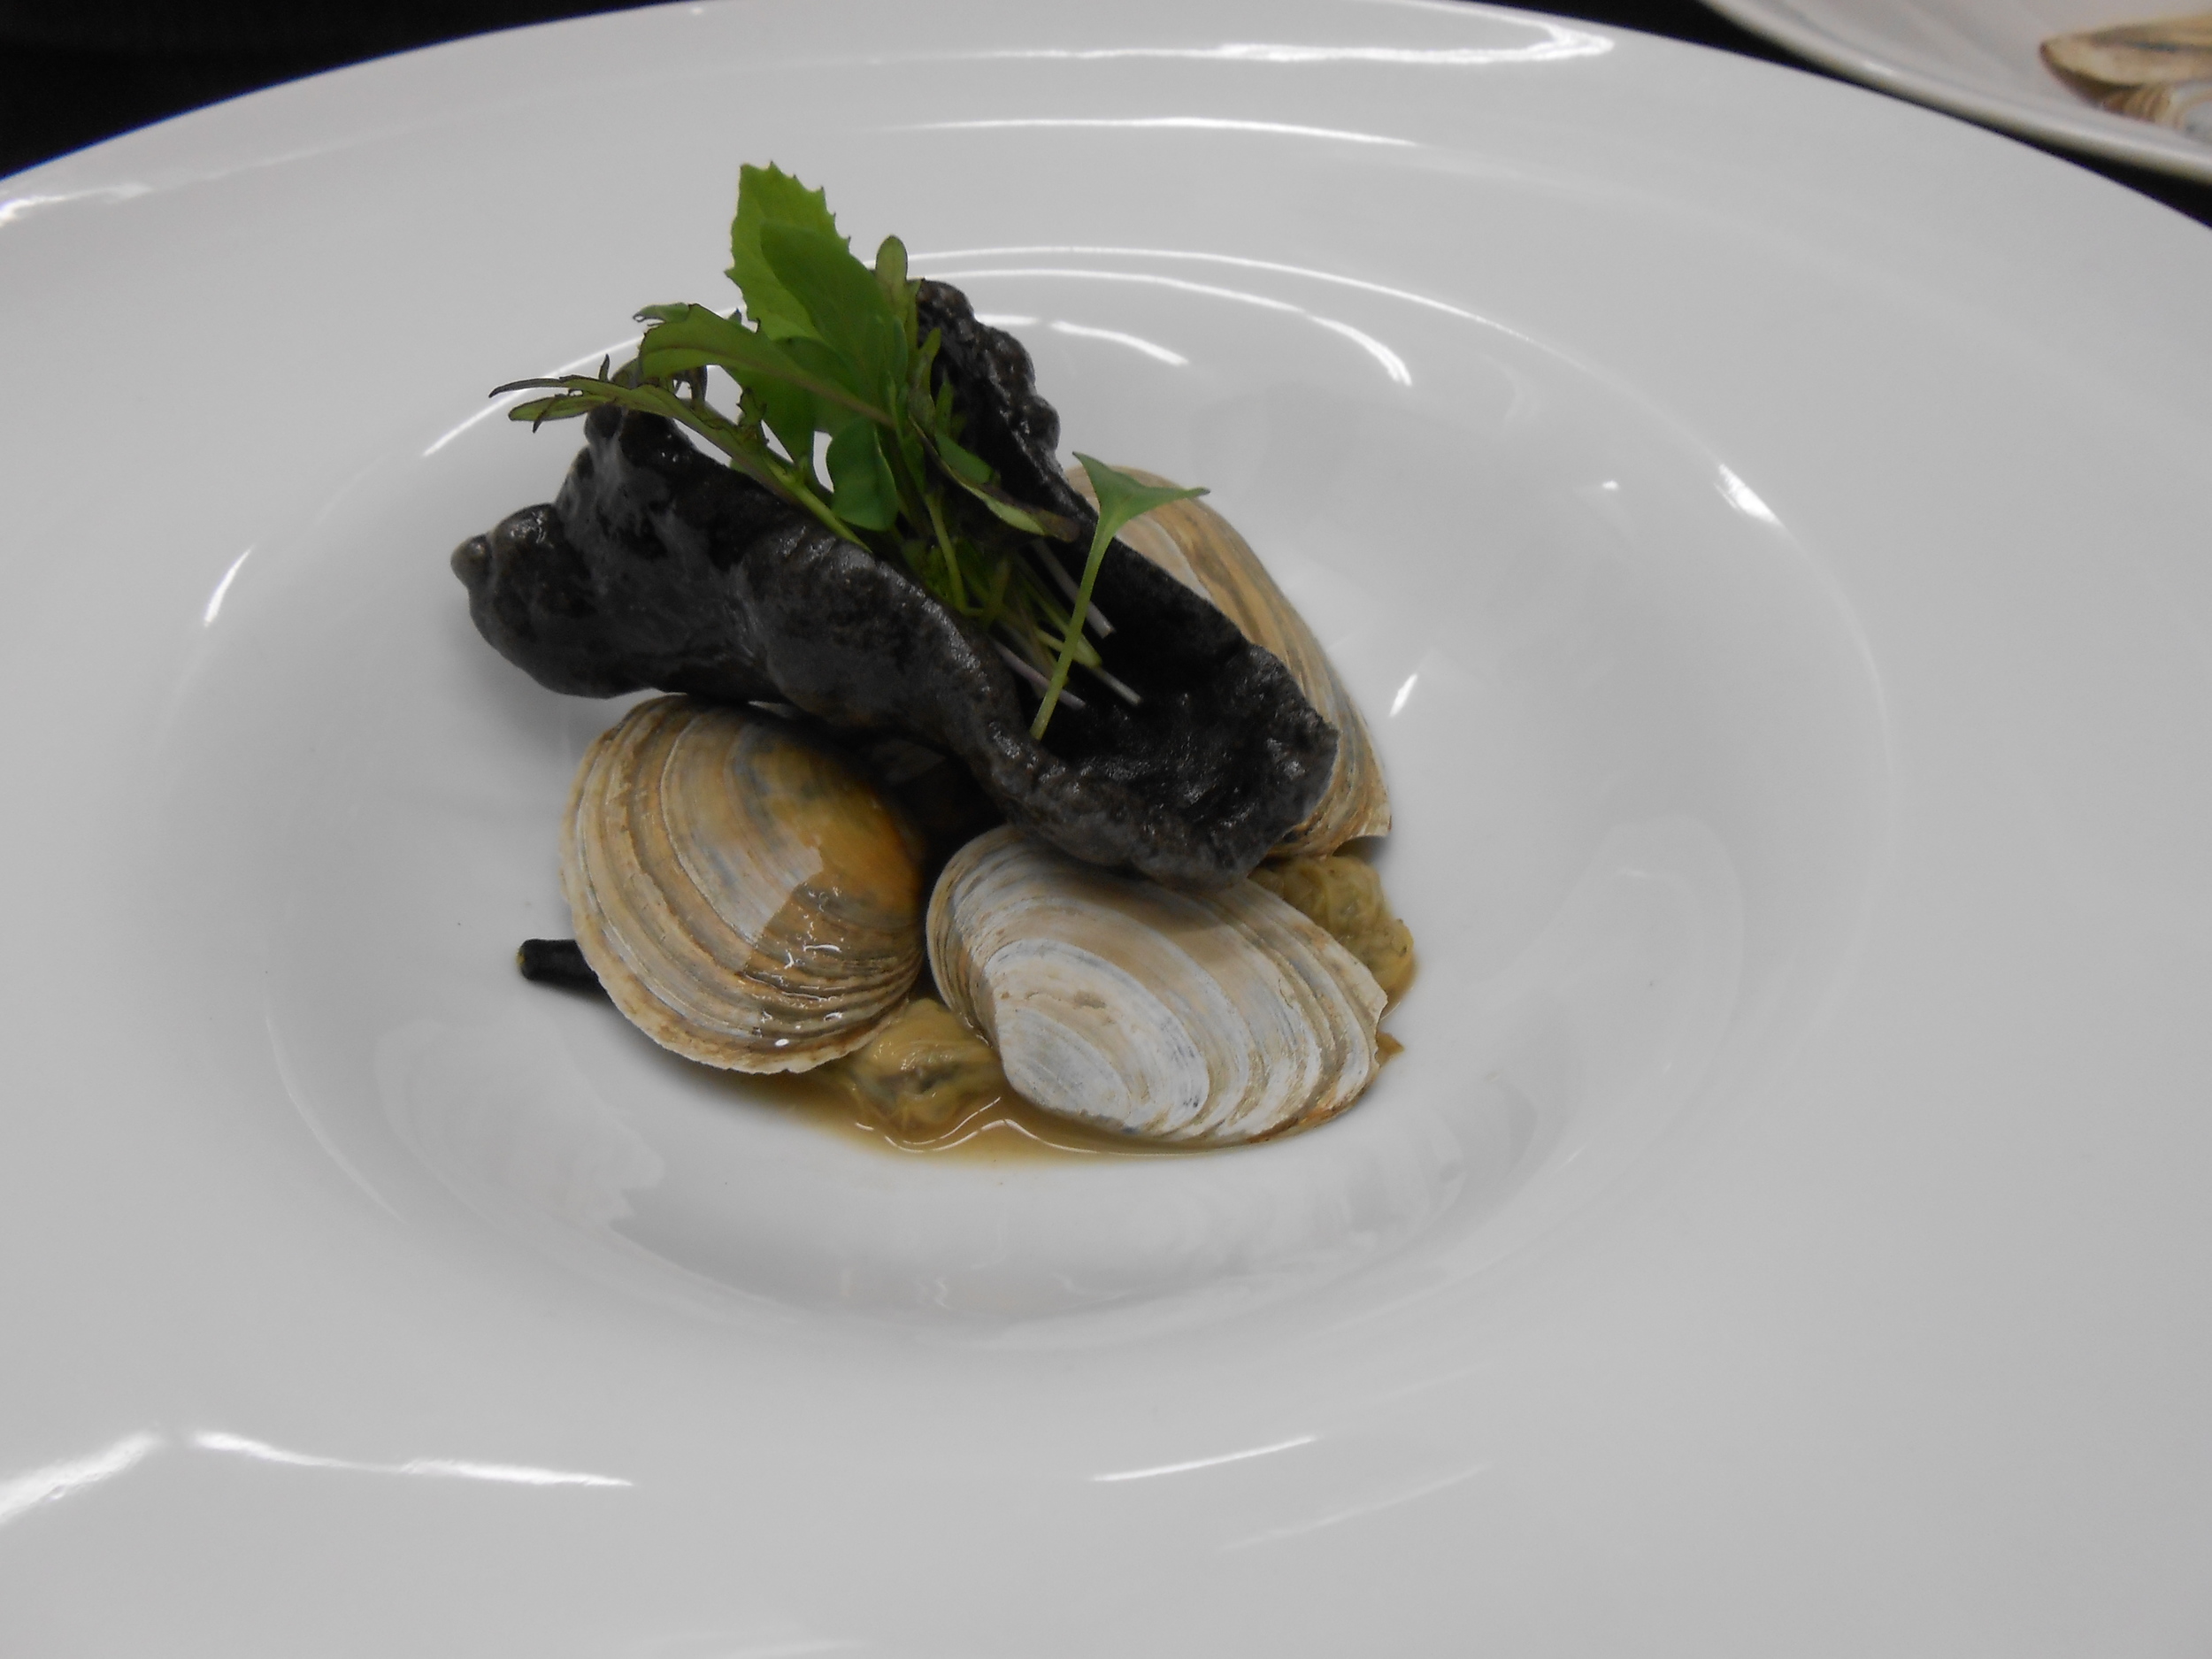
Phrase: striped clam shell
x=1198 y=1018
x=2160 y=71
x=746 y=897
x=1203 y=550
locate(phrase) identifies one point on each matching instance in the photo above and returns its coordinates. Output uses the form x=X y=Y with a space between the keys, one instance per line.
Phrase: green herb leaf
x=794 y=416
x=865 y=494
x=1030 y=520
x=769 y=196
x=892 y=278
x=1123 y=499
x=968 y=468
x=686 y=337
x=537 y=411
x=851 y=314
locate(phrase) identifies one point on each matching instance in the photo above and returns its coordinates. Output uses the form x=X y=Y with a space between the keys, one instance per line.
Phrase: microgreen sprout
x=1121 y=498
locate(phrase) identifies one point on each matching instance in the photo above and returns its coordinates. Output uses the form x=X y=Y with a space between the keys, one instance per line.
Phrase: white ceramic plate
x=1765 y=523
x=1980 y=58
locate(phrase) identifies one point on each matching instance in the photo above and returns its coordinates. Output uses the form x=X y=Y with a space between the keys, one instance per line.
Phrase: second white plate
x=1978 y=58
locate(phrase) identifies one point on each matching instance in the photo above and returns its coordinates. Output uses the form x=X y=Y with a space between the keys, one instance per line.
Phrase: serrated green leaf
x=832 y=368
x=851 y=314
x=769 y=196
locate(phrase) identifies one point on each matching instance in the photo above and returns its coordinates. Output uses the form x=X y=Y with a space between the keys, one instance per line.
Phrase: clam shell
x=1201 y=1018
x=743 y=892
x=1203 y=550
x=2158 y=71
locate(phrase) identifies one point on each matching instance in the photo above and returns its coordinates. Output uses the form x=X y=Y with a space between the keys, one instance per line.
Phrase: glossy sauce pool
x=1007 y=1129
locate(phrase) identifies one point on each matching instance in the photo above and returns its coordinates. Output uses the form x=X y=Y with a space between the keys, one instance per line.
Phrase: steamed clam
x=921 y=1072
x=1197 y=1018
x=1203 y=550
x=2158 y=71
x=745 y=895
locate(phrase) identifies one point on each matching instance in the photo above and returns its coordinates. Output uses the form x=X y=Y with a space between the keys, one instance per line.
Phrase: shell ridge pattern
x=1175 y=993
x=1089 y=982
x=1275 y=1011
x=605 y=911
x=755 y=876
x=611 y=840
x=658 y=856
x=1133 y=1050
x=578 y=883
x=1346 y=1000
x=670 y=905
x=720 y=841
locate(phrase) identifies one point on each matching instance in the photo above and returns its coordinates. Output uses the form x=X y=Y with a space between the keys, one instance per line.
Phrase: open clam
x=743 y=892
x=1199 y=1018
x=1203 y=550
x=2160 y=71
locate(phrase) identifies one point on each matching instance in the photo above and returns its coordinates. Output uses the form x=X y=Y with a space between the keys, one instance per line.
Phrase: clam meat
x=1197 y=1018
x=744 y=893
x=1344 y=896
x=921 y=1072
x=2158 y=71
x=1203 y=550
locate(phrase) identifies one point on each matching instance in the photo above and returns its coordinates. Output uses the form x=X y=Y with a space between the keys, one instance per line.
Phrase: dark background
x=72 y=74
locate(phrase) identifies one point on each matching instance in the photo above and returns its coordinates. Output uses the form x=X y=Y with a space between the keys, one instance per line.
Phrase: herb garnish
x=824 y=345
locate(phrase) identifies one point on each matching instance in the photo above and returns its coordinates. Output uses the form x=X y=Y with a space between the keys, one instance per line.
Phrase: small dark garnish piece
x=556 y=962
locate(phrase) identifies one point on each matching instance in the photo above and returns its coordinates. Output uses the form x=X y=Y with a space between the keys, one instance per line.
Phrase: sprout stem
x=1038 y=683
x=1094 y=619
x=1113 y=685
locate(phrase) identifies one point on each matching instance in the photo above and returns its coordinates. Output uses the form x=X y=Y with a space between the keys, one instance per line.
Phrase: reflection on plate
x=1774 y=598
x=1983 y=59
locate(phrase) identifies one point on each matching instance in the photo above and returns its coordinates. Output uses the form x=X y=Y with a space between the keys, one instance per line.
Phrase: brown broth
x=1006 y=1130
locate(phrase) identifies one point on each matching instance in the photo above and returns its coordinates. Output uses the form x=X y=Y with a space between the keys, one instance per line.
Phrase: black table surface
x=72 y=74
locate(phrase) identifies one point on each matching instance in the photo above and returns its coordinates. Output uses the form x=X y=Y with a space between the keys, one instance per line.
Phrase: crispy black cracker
x=657 y=567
